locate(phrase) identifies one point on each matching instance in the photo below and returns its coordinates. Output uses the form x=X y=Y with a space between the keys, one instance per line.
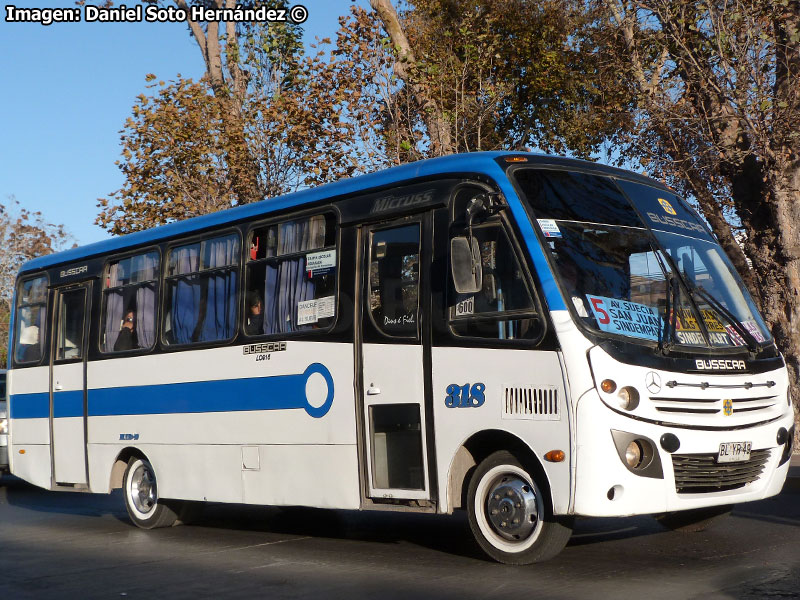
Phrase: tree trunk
x=774 y=247
x=438 y=127
x=243 y=168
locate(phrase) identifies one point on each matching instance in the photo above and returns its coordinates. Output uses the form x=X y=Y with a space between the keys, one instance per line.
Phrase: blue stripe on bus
x=30 y=406
x=279 y=392
x=68 y=404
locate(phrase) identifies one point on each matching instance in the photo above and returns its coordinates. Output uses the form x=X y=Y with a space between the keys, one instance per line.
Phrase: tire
x=509 y=516
x=141 y=496
x=695 y=520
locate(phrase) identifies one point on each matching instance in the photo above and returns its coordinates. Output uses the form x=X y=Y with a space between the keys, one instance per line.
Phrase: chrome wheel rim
x=512 y=537
x=511 y=507
x=143 y=489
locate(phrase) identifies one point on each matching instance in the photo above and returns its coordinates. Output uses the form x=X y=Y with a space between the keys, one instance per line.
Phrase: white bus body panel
x=31 y=435
x=199 y=456
x=502 y=372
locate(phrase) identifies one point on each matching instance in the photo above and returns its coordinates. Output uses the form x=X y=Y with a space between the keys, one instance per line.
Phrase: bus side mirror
x=465 y=264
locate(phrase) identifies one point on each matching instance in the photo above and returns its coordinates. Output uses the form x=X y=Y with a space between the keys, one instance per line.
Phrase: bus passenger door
x=68 y=385
x=392 y=359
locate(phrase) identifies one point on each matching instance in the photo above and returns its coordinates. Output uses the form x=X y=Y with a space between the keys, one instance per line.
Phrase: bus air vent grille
x=537 y=403
x=701 y=473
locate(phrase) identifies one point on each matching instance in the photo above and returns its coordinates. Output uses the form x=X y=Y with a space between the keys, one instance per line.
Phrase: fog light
x=608 y=386
x=633 y=454
x=670 y=442
x=628 y=398
x=782 y=436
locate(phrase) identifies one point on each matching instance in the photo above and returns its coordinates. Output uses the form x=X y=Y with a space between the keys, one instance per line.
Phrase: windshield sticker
x=626 y=318
x=549 y=228
x=754 y=330
x=667 y=207
x=320 y=263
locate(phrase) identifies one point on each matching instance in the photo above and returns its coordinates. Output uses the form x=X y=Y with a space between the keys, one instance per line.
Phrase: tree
x=717 y=107
x=177 y=152
x=24 y=235
x=500 y=74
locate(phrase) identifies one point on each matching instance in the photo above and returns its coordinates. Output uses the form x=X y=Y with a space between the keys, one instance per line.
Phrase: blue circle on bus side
x=322 y=410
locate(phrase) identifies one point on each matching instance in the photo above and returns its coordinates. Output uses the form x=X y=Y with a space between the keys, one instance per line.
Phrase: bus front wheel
x=509 y=515
x=141 y=496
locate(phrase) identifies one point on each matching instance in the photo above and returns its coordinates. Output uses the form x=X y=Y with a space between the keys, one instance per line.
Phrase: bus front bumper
x=689 y=477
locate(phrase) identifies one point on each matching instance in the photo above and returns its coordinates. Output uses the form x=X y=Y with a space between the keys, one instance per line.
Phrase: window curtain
x=147 y=268
x=288 y=284
x=220 y=316
x=185 y=295
x=113 y=319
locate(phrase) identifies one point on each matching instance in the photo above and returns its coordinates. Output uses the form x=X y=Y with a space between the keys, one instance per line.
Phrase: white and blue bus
x=526 y=337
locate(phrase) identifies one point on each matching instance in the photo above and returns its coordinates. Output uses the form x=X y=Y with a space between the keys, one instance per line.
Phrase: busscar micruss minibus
x=526 y=337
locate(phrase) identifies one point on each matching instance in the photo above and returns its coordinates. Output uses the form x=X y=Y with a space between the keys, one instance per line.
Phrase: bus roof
x=484 y=163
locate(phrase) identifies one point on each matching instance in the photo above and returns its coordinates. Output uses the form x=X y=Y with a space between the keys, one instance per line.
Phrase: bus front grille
x=712 y=407
x=701 y=473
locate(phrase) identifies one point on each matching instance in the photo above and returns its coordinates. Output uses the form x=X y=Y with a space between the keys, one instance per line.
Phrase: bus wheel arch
x=120 y=464
x=510 y=515
x=479 y=447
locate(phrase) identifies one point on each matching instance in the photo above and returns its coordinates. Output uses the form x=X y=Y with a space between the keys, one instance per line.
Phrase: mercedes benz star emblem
x=652 y=382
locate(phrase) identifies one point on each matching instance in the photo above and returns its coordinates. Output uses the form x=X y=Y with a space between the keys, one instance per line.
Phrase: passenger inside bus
x=255 y=313
x=126 y=340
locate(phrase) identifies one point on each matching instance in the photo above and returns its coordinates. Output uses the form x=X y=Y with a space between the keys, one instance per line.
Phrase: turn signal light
x=22 y=451
x=516 y=159
x=608 y=386
x=555 y=456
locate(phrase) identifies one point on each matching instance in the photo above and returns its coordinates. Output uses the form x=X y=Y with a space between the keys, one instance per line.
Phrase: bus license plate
x=734 y=452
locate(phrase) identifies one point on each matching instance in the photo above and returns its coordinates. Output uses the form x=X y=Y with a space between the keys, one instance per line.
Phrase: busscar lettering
x=43 y=16
x=720 y=365
x=675 y=222
x=263 y=348
x=74 y=271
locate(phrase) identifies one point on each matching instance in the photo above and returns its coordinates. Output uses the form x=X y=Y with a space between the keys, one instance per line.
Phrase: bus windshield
x=658 y=277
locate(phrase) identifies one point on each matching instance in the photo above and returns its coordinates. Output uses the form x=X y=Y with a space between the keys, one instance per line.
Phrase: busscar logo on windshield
x=720 y=365
x=667 y=207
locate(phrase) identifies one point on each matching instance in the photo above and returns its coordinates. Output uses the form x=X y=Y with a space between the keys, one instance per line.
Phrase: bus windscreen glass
x=623 y=272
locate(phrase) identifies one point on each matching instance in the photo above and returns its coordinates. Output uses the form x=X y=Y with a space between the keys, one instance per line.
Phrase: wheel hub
x=511 y=507
x=143 y=490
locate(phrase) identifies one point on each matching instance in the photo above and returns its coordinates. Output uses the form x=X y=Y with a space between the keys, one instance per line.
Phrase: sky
x=68 y=88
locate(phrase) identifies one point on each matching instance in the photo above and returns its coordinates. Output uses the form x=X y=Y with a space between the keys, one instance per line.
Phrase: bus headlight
x=628 y=398
x=638 y=454
x=633 y=454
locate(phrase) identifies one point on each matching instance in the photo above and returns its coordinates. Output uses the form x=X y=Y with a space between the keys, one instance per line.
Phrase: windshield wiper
x=670 y=314
x=749 y=339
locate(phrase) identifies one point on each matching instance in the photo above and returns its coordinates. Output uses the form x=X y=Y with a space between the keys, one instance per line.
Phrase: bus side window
x=201 y=291
x=503 y=308
x=291 y=276
x=31 y=320
x=129 y=303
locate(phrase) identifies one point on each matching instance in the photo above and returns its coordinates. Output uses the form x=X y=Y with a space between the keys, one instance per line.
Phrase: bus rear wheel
x=141 y=496
x=509 y=515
